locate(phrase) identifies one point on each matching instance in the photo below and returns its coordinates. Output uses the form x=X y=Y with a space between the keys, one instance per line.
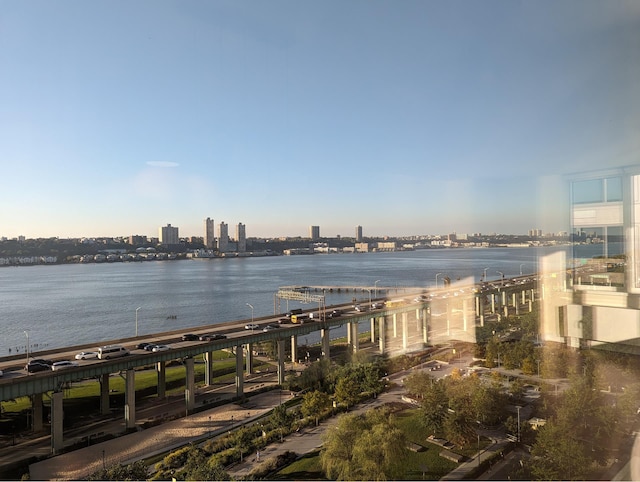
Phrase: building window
x=600 y=256
x=597 y=190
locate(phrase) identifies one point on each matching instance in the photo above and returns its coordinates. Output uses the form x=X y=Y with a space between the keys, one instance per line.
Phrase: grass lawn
x=306 y=468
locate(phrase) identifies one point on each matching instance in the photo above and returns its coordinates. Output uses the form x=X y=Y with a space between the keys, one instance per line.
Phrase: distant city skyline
x=404 y=118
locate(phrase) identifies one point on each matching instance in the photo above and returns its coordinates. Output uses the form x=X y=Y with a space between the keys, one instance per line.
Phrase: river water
x=66 y=305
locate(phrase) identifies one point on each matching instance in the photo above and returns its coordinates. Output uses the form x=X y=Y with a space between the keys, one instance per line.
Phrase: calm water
x=88 y=303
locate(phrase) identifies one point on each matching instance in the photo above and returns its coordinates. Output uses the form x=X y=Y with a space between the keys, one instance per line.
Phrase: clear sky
x=411 y=117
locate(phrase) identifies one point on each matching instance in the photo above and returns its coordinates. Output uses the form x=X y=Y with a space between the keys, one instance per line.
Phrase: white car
x=158 y=348
x=63 y=365
x=86 y=355
x=251 y=326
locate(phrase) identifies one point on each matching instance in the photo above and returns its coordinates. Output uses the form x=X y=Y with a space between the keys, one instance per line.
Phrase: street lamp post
x=26 y=332
x=437 y=274
x=501 y=274
x=137 y=319
x=518 y=407
x=484 y=274
x=369 y=297
x=521 y=265
x=375 y=286
x=251 y=306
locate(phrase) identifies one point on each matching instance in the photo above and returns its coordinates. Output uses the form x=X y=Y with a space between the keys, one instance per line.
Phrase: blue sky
x=409 y=117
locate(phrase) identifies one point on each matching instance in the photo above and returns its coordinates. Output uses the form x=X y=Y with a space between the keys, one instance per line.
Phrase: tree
x=199 y=466
x=314 y=403
x=491 y=353
x=347 y=390
x=434 y=407
x=557 y=456
x=417 y=384
x=368 y=447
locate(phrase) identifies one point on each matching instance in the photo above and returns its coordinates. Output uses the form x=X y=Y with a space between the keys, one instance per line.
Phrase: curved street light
x=437 y=274
x=251 y=306
x=484 y=274
x=375 y=286
x=521 y=265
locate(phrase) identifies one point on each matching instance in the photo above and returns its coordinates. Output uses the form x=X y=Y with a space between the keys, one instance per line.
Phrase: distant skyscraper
x=223 y=237
x=241 y=237
x=209 y=236
x=168 y=235
x=314 y=232
x=358 y=234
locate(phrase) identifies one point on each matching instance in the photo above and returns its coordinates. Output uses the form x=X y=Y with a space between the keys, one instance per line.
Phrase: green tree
x=368 y=447
x=314 y=403
x=347 y=390
x=557 y=456
x=200 y=466
x=491 y=353
x=435 y=406
x=417 y=384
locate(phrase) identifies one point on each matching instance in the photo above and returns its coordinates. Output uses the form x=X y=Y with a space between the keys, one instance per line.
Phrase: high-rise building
x=314 y=232
x=241 y=238
x=223 y=237
x=358 y=234
x=209 y=236
x=168 y=234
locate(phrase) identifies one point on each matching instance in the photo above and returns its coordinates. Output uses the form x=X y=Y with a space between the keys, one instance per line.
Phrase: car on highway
x=270 y=327
x=143 y=345
x=63 y=365
x=251 y=326
x=41 y=361
x=86 y=355
x=190 y=337
x=37 y=367
x=213 y=336
x=158 y=348
x=377 y=305
x=150 y=346
x=360 y=308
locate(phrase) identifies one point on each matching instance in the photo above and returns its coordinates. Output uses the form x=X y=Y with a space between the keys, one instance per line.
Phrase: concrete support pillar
x=162 y=379
x=130 y=399
x=348 y=334
x=239 y=374
x=477 y=300
x=449 y=314
x=190 y=385
x=530 y=306
x=395 y=325
x=533 y=295
x=57 y=416
x=465 y=314
x=249 y=358
x=524 y=297
x=517 y=306
x=382 y=334
x=425 y=325
x=493 y=303
x=506 y=311
x=105 y=409
x=326 y=343
x=36 y=405
x=294 y=348
x=504 y=298
x=405 y=330
x=373 y=329
x=514 y=300
x=280 y=362
x=208 y=368
x=355 y=342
